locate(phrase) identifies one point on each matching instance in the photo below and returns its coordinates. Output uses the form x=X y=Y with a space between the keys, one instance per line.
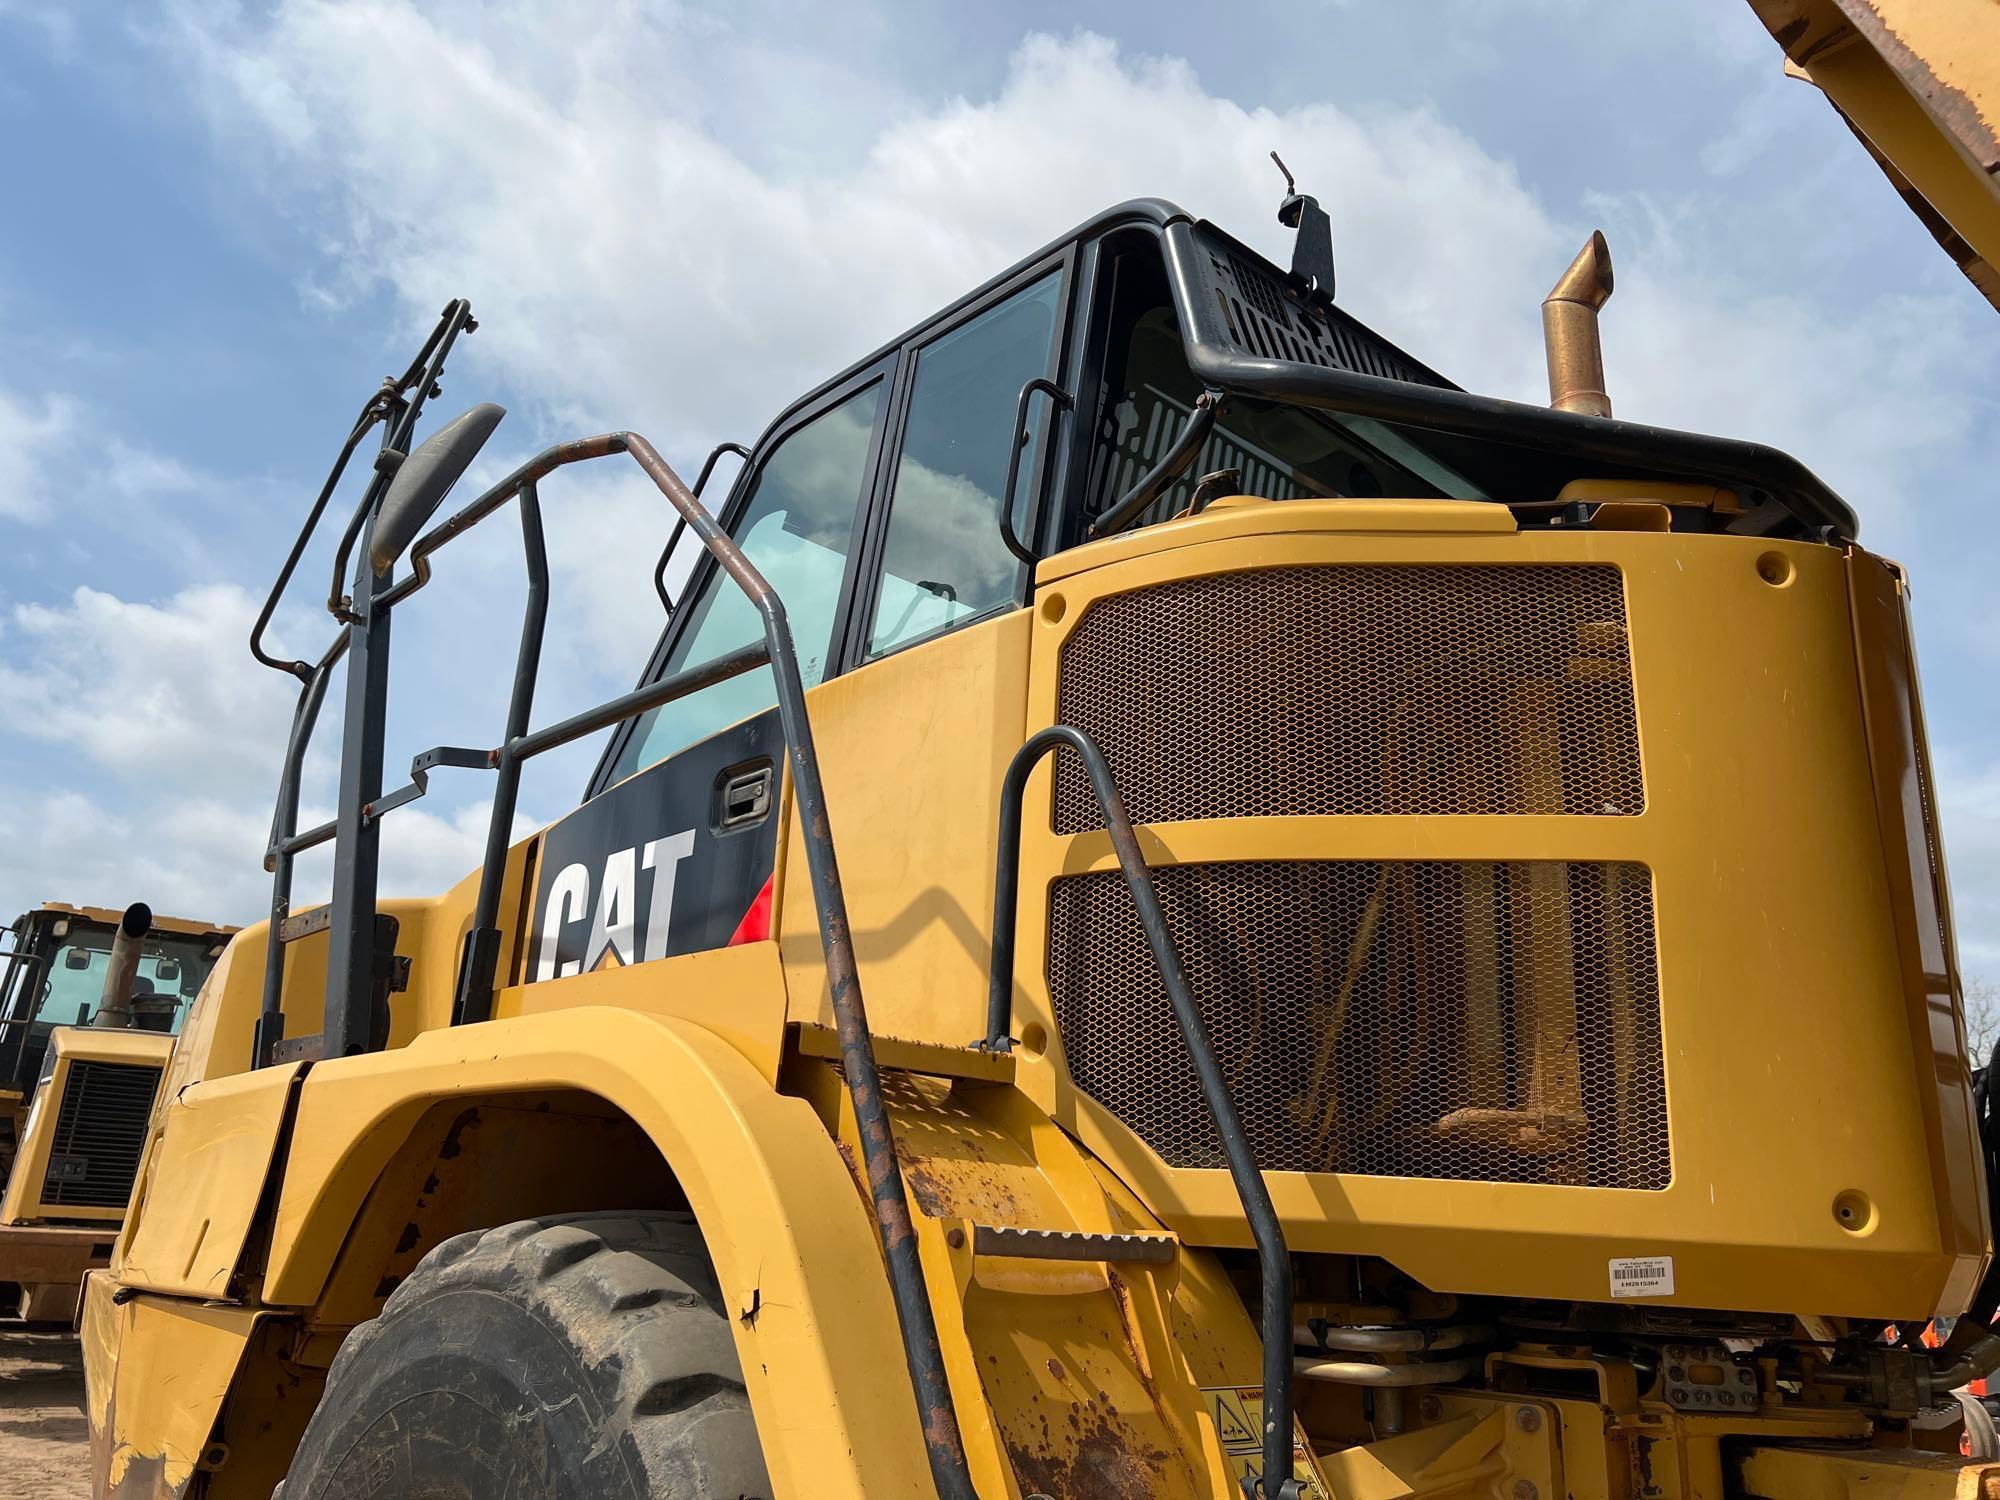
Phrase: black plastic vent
x=1258 y=313
x=99 y=1135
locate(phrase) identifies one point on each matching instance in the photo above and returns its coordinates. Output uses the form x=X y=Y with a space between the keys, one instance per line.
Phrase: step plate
x=1071 y=1244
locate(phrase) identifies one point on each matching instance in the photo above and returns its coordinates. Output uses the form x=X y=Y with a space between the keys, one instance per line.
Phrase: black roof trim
x=1218 y=358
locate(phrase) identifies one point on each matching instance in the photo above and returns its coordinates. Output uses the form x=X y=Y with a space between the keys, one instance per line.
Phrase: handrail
x=473 y=997
x=674 y=536
x=1062 y=400
x=1273 y=1260
x=26 y=963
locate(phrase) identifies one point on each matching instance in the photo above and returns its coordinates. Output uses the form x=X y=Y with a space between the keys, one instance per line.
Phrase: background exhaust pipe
x=1569 y=331
x=114 y=1006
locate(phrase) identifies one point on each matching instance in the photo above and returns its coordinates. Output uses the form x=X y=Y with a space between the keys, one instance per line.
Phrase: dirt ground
x=44 y=1447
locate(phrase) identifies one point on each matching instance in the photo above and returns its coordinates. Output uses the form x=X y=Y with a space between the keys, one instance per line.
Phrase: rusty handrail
x=474 y=997
x=1273 y=1260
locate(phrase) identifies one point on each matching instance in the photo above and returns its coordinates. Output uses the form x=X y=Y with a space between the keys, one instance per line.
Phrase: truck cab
x=1242 y=916
x=75 y=1096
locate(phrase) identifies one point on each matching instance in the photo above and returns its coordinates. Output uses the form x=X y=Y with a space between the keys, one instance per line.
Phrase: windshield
x=171 y=968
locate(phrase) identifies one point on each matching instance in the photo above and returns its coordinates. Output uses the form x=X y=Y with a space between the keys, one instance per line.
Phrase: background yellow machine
x=1183 y=908
x=89 y=1001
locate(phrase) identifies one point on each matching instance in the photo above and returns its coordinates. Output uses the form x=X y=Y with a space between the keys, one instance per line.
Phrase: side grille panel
x=1357 y=689
x=99 y=1134
x=1474 y=1021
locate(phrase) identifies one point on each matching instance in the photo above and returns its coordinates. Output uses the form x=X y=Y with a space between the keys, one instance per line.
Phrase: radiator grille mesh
x=1475 y=1021
x=99 y=1135
x=1356 y=689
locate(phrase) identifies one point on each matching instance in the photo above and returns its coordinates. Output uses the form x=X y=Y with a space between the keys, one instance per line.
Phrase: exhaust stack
x=114 y=1006
x=1569 y=331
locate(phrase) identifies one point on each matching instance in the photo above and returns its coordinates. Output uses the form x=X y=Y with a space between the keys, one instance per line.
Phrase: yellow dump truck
x=1182 y=908
x=87 y=1019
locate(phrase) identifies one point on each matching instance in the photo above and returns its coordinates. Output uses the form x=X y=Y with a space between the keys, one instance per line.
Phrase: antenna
x=1291 y=188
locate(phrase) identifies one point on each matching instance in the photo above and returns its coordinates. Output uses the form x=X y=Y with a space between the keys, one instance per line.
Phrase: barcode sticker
x=1643 y=1276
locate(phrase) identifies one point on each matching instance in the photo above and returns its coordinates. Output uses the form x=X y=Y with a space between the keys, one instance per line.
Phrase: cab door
x=936 y=560
x=673 y=849
x=913 y=741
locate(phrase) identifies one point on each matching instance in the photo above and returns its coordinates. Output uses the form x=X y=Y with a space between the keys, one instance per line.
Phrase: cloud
x=30 y=430
x=161 y=693
x=631 y=267
x=201 y=857
x=1968 y=790
x=184 y=736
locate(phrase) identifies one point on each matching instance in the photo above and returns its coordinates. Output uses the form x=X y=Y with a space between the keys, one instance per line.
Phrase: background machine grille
x=99 y=1135
x=1475 y=1021
x=1354 y=689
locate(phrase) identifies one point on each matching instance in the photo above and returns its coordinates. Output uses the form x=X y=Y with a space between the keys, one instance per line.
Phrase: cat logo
x=622 y=929
x=615 y=886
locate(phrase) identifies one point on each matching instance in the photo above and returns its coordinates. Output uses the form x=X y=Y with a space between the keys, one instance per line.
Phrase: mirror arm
x=404 y=403
x=372 y=413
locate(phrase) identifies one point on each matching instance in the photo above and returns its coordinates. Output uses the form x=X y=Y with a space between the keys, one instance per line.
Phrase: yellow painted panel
x=737 y=993
x=1786 y=1021
x=215 y=1041
x=1405 y=518
x=911 y=749
x=1914 y=863
x=1847 y=1473
x=210 y=1156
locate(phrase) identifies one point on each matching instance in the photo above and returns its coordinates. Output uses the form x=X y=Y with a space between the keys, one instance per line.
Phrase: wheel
x=586 y=1357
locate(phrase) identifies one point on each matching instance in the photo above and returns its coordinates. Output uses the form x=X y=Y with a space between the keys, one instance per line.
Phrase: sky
x=227 y=222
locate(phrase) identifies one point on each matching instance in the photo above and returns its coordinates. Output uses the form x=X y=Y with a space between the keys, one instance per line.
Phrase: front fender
x=793 y=1245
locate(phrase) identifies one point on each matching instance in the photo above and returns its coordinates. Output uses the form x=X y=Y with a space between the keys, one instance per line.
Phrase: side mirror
x=425 y=478
x=76 y=958
x=167 y=971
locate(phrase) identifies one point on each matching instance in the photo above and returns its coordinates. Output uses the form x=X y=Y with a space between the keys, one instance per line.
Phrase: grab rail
x=473 y=992
x=1273 y=1260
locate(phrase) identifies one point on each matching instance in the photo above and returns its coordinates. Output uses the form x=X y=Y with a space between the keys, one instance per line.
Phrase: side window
x=943 y=560
x=795 y=529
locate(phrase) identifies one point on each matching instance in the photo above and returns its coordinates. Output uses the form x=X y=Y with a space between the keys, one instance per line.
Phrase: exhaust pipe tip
x=114 y=1005
x=1569 y=331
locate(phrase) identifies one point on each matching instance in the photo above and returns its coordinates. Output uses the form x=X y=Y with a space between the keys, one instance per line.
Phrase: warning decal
x=1238 y=1412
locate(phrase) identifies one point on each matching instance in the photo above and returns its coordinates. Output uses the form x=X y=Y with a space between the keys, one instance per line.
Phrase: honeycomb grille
x=1356 y=689
x=1494 y=1022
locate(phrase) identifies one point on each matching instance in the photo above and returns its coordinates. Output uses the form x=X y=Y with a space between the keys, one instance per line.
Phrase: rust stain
x=932 y=1196
x=1103 y=1464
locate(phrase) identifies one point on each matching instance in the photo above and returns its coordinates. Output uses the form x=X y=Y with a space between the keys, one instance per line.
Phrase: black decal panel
x=666 y=862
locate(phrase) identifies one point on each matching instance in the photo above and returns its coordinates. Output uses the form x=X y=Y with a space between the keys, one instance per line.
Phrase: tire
x=586 y=1357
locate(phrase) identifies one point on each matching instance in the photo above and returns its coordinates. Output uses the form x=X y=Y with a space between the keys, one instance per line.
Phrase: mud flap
x=155 y=1370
